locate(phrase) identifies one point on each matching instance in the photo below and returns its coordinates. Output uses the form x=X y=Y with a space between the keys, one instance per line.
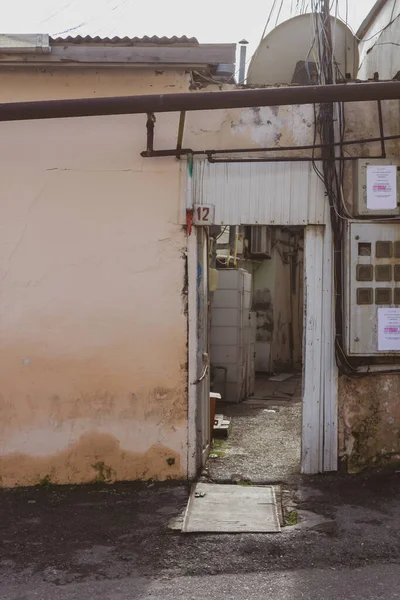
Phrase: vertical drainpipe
x=242 y=61
x=189 y=184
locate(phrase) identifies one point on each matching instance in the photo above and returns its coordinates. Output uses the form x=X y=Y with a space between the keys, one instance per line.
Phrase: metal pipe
x=180 y=133
x=381 y=129
x=242 y=60
x=125 y=105
x=289 y=159
x=185 y=151
x=189 y=186
x=150 y=132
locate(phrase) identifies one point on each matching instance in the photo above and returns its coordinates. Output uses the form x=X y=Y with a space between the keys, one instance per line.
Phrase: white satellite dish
x=289 y=53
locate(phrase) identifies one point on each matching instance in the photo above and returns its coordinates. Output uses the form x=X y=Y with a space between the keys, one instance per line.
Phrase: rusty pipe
x=124 y=105
x=150 y=132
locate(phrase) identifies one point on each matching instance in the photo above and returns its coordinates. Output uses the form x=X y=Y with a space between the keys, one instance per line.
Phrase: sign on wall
x=203 y=214
x=389 y=329
x=382 y=187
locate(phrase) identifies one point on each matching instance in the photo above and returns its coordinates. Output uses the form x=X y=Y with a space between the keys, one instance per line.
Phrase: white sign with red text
x=381 y=187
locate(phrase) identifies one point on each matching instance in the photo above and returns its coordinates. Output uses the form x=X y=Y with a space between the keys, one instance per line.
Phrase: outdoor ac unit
x=260 y=240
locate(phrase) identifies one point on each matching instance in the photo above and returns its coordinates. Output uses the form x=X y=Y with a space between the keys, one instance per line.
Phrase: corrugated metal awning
x=70 y=51
x=153 y=40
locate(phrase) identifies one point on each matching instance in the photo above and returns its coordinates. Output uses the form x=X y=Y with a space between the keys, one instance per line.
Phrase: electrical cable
x=375 y=34
x=279 y=14
x=258 y=47
x=333 y=178
x=57 y=12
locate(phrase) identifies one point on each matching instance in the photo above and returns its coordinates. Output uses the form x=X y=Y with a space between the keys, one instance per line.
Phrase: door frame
x=320 y=378
x=193 y=436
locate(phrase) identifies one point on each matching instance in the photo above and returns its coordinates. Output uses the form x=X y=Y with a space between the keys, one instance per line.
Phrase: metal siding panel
x=261 y=193
x=329 y=367
x=317 y=204
x=311 y=439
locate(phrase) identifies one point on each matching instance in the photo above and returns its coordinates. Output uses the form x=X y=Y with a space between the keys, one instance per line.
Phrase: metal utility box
x=376 y=187
x=231 y=340
x=372 y=308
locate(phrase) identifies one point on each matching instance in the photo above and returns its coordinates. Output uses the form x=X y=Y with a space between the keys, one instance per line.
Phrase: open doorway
x=256 y=352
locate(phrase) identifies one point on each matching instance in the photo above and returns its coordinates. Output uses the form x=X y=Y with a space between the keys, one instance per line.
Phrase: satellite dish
x=289 y=53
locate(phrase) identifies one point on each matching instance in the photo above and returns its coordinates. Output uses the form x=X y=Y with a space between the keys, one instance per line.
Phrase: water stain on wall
x=94 y=458
x=263 y=306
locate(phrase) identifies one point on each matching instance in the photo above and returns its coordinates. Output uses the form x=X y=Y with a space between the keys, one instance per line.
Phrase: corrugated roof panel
x=287 y=193
x=126 y=41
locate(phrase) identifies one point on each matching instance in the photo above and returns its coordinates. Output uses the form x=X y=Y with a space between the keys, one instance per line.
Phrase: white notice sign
x=381 y=187
x=389 y=329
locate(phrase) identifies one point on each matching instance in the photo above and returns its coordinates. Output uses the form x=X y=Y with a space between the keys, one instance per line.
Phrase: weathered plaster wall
x=287 y=352
x=93 y=330
x=369 y=422
x=92 y=268
x=275 y=312
x=263 y=304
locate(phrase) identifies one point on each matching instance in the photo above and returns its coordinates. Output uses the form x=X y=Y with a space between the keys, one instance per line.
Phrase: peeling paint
x=93 y=330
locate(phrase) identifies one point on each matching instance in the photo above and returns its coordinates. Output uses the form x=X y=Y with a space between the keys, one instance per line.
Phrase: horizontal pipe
x=274 y=159
x=290 y=148
x=166 y=153
x=185 y=151
x=124 y=105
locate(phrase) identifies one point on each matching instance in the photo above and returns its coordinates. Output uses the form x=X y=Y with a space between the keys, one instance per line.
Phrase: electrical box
x=260 y=240
x=376 y=187
x=372 y=299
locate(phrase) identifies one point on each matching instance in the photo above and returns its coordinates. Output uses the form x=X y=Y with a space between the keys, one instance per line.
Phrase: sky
x=211 y=21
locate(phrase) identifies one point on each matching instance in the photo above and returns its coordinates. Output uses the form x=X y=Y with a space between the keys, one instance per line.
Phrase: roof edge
x=370 y=19
x=125 y=41
x=128 y=52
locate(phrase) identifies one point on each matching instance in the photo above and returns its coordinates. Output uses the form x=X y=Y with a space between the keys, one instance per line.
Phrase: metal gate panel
x=286 y=193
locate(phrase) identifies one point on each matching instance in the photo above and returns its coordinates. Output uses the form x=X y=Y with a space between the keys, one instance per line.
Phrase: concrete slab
x=231 y=509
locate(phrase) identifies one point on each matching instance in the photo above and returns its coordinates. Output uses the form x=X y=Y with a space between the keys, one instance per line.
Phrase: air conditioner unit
x=260 y=240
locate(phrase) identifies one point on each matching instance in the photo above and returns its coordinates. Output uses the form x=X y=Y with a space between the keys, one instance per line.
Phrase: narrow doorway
x=256 y=352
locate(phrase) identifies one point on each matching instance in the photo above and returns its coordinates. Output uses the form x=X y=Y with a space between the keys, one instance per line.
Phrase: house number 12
x=203 y=214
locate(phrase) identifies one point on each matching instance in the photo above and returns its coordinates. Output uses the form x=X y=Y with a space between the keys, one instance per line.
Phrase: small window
x=365 y=273
x=383 y=296
x=384 y=249
x=397 y=296
x=383 y=273
x=365 y=296
x=397 y=249
x=397 y=272
x=364 y=249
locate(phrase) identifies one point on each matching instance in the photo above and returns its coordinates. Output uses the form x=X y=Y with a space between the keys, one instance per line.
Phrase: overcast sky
x=208 y=20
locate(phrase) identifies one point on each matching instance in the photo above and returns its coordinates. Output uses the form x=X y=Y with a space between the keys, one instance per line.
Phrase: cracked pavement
x=68 y=543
